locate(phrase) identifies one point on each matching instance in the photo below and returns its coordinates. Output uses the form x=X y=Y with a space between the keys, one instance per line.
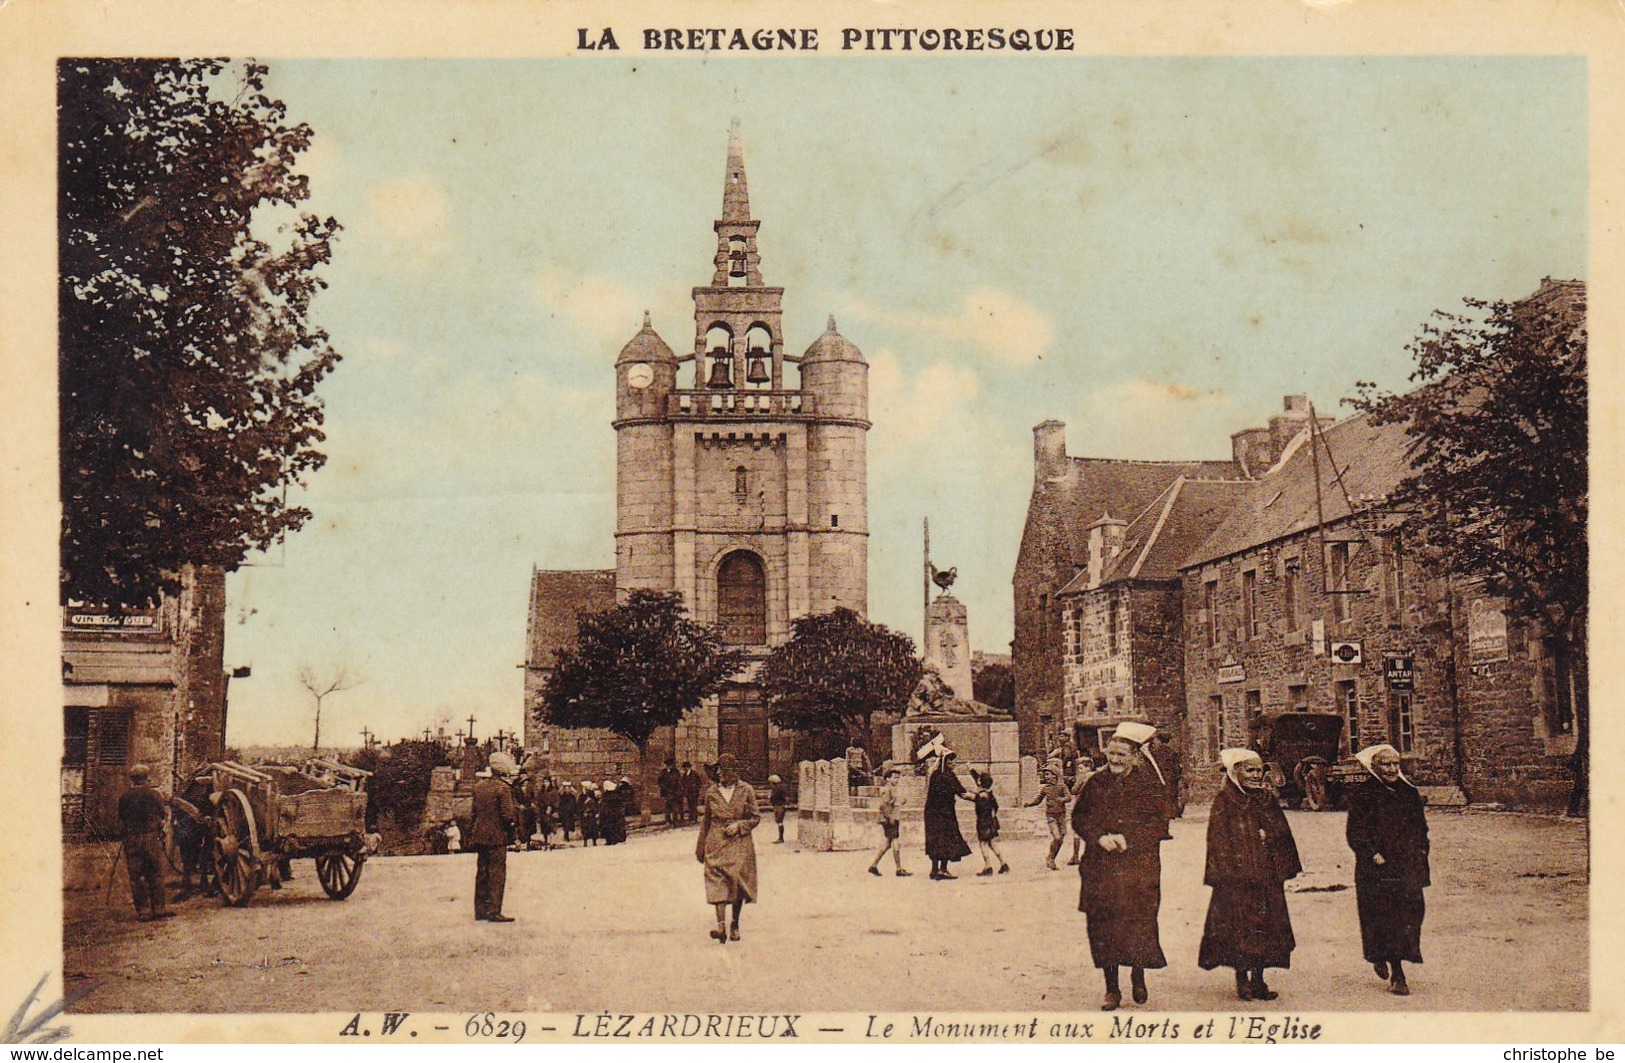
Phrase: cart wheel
x=339 y=872
x=1314 y=789
x=236 y=850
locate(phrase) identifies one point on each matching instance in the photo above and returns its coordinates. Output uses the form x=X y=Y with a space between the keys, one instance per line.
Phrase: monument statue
x=933 y=697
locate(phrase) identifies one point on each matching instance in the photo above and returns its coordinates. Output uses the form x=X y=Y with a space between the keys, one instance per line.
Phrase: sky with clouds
x=1154 y=251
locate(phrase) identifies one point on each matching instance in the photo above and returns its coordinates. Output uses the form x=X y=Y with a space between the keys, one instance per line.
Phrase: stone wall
x=1515 y=747
x=1279 y=667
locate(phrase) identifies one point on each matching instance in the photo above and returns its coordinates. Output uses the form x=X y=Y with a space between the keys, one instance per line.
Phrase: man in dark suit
x=689 y=783
x=496 y=814
x=141 y=812
x=670 y=785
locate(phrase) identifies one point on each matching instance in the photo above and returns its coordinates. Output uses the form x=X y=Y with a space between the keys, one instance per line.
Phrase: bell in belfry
x=720 y=375
x=757 y=372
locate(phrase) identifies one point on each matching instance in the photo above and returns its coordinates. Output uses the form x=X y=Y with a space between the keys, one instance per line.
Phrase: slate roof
x=556 y=599
x=1121 y=488
x=1157 y=542
x=1372 y=460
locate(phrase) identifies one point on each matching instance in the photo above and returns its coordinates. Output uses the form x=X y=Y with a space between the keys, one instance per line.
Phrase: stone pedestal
x=981 y=743
x=947 y=644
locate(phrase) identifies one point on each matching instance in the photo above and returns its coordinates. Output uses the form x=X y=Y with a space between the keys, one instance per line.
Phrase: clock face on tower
x=640 y=375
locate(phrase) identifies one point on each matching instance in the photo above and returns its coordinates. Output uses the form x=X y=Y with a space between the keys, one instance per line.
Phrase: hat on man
x=502 y=764
x=774 y=779
x=140 y=773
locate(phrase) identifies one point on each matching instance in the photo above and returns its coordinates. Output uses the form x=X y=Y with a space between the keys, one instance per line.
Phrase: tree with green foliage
x=1498 y=488
x=836 y=671
x=399 y=787
x=188 y=363
x=994 y=684
x=635 y=667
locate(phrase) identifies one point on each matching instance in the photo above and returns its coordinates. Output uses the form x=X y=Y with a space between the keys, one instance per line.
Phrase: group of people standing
x=595 y=812
x=680 y=792
x=1120 y=817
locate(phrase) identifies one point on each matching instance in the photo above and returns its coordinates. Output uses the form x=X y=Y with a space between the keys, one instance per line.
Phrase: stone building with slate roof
x=1123 y=649
x=1306 y=600
x=141 y=686
x=1069 y=495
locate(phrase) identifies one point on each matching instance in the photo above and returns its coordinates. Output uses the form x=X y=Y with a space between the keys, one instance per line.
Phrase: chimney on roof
x=1049 y=452
x=1257 y=449
x=1285 y=426
x=1105 y=543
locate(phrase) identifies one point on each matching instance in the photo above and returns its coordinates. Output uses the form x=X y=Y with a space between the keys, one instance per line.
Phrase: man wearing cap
x=495 y=816
x=141 y=814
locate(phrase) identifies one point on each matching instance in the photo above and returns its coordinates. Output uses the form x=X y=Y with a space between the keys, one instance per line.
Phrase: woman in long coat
x=612 y=814
x=943 y=841
x=1121 y=815
x=1388 y=831
x=1250 y=856
x=725 y=846
x=588 y=811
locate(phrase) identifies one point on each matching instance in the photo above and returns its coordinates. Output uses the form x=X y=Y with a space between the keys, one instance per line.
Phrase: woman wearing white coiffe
x=1388 y=831
x=725 y=846
x=1250 y=856
x=1122 y=816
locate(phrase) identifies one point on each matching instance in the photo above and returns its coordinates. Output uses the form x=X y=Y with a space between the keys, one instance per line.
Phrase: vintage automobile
x=1301 y=754
x=271 y=813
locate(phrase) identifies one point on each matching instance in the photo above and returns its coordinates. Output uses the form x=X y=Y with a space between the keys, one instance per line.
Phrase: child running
x=987 y=824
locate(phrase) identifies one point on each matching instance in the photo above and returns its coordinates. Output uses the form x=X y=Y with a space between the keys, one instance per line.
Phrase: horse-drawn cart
x=267 y=815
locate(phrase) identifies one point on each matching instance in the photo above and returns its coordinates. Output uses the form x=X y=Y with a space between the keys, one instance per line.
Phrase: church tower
x=742 y=475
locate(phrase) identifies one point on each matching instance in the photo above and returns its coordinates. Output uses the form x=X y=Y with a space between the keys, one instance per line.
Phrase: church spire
x=737 y=263
x=735 y=194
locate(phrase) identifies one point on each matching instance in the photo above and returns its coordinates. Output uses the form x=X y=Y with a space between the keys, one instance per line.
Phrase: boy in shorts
x=890 y=823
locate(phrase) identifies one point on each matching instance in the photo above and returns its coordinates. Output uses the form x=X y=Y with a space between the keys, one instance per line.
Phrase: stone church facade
x=741 y=482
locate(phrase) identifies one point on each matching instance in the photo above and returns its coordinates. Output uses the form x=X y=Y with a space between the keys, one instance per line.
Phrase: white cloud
x=1167 y=396
x=1149 y=418
x=408 y=217
x=908 y=409
x=522 y=436
x=602 y=307
x=994 y=322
